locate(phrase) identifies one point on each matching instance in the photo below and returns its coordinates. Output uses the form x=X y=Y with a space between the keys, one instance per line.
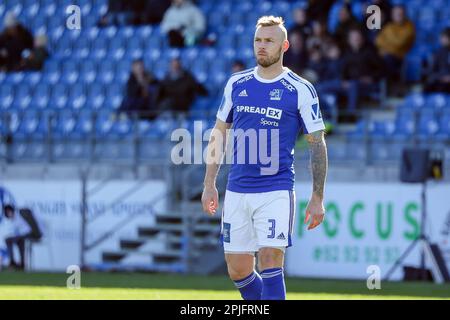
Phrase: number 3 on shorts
x=271 y=229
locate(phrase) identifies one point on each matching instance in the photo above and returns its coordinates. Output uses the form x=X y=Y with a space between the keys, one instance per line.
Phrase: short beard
x=266 y=62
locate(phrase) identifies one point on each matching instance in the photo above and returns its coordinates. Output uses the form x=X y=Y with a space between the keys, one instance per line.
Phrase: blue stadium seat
x=28 y=125
x=31 y=11
x=16 y=77
x=99 y=48
x=123 y=69
x=82 y=48
x=437 y=101
x=77 y=96
x=116 y=49
x=414 y=101
x=69 y=72
x=41 y=96
x=87 y=71
x=6 y=96
x=32 y=78
x=22 y=97
x=404 y=124
x=122 y=128
x=245 y=39
x=144 y=32
x=114 y=96
x=59 y=96
x=427 y=125
x=84 y=126
x=106 y=72
x=65 y=125
x=104 y=124
x=126 y=33
x=95 y=96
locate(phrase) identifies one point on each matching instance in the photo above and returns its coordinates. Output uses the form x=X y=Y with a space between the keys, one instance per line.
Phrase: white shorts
x=251 y=221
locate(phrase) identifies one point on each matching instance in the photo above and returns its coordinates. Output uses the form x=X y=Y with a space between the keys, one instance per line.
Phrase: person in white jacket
x=183 y=23
x=22 y=226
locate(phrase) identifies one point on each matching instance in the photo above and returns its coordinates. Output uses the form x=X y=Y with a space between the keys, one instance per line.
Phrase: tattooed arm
x=319 y=166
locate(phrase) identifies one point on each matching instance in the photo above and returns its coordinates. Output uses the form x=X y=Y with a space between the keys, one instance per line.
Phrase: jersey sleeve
x=225 y=112
x=309 y=108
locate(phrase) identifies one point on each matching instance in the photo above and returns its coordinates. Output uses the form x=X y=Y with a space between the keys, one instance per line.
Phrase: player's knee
x=238 y=270
x=270 y=258
x=238 y=273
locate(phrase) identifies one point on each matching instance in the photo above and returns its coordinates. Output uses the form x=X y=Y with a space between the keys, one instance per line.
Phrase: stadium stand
x=84 y=78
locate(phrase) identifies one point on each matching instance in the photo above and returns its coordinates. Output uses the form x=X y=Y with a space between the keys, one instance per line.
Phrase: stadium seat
x=437 y=101
x=22 y=98
x=6 y=96
x=414 y=101
x=77 y=96
x=41 y=96
x=427 y=125
x=59 y=96
x=69 y=72
x=106 y=71
x=88 y=72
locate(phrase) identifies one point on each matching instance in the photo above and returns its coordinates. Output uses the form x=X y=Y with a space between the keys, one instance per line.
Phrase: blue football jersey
x=266 y=117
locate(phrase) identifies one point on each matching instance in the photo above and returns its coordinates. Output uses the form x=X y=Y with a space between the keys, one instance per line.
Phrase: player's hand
x=315 y=212
x=210 y=199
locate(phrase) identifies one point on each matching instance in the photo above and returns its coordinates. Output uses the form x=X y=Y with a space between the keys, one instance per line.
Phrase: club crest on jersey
x=316 y=114
x=276 y=94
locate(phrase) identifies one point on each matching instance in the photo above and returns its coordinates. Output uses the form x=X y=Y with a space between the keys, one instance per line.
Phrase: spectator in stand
x=237 y=66
x=346 y=22
x=354 y=75
x=153 y=11
x=320 y=37
x=439 y=77
x=316 y=66
x=394 y=41
x=119 y=13
x=13 y=41
x=362 y=69
x=35 y=61
x=319 y=9
x=179 y=89
x=296 y=58
x=141 y=94
x=330 y=79
x=301 y=23
x=183 y=23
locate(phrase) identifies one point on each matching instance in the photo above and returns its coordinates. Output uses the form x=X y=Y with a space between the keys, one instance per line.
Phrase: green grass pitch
x=108 y=286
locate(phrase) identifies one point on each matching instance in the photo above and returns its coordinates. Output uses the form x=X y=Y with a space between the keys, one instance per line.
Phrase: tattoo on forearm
x=319 y=161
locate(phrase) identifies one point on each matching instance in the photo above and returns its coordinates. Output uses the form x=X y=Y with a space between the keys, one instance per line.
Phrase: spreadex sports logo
x=268 y=112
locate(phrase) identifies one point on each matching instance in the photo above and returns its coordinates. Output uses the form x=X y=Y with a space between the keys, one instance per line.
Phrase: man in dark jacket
x=362 y=68
x=179 y=89
x=296 y=58
x=142 y=90
x=13 y=41
x=439 y=78
x=24 y=227
x=35 y=61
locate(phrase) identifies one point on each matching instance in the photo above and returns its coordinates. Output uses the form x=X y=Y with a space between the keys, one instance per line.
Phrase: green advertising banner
x=366 y=224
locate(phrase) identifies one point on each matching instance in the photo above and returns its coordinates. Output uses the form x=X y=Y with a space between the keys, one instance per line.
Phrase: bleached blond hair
x=268 y=21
